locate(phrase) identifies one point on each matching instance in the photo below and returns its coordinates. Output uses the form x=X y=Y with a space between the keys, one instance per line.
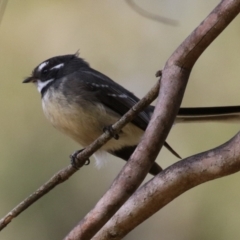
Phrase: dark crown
x=58 y=67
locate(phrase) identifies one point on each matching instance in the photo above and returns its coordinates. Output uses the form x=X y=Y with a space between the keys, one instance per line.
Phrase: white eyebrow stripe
x=58 y=66
x=41 y=85
x=42 y=65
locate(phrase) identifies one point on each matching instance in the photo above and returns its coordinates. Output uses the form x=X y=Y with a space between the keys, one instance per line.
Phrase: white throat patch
x=40 y=85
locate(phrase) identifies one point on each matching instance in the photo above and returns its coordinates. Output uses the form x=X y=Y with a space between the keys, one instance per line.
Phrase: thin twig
x=3 y=5
x=65 y=173
x=151 y=16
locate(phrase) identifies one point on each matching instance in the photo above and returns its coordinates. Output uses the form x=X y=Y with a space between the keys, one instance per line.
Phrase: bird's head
x=52 y=69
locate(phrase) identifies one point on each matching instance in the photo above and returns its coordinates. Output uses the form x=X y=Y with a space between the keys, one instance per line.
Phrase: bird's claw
x=77 y=163
x=111 y=132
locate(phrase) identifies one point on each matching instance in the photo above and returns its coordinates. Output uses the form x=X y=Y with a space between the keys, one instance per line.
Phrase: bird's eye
x=44 y=72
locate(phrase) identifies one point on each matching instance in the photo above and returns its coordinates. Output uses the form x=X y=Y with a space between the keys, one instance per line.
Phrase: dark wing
x=114 y=96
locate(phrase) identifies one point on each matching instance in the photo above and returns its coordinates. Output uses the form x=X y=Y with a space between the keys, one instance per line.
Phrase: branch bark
x=174 y=81
x=169 y=184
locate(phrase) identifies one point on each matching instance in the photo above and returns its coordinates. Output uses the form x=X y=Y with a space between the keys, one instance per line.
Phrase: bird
x=82 y=103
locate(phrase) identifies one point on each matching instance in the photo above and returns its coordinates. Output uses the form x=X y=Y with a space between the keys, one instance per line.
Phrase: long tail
x=203 y=114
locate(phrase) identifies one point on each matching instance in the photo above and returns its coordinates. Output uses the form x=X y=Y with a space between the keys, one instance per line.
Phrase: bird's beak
x=29 y=79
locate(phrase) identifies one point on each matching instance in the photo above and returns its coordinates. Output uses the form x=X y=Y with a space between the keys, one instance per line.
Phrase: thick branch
x=168 y=103
x=178 y=67
x=188 y=52
x=174 y=81
x=169 y=184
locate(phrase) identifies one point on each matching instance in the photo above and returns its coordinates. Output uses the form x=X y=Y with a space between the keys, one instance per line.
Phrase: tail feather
x=170 y=149
x=229 y=113
x=203 y=114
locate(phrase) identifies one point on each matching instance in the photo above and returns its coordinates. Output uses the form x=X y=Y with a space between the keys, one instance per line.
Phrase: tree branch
x=173 y=84
x=151 y=16
x=169 y=184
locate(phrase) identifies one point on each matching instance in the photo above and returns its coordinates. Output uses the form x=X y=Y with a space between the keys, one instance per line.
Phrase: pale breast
x=85 y=124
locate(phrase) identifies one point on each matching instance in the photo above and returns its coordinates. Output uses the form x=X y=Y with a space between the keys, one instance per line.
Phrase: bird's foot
x=76 y=162
x=111 y=132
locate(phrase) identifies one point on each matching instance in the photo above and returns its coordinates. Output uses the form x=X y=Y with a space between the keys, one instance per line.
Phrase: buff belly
x=84 y=125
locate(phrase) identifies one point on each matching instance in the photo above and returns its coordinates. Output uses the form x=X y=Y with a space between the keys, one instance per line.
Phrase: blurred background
x=129 y=49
